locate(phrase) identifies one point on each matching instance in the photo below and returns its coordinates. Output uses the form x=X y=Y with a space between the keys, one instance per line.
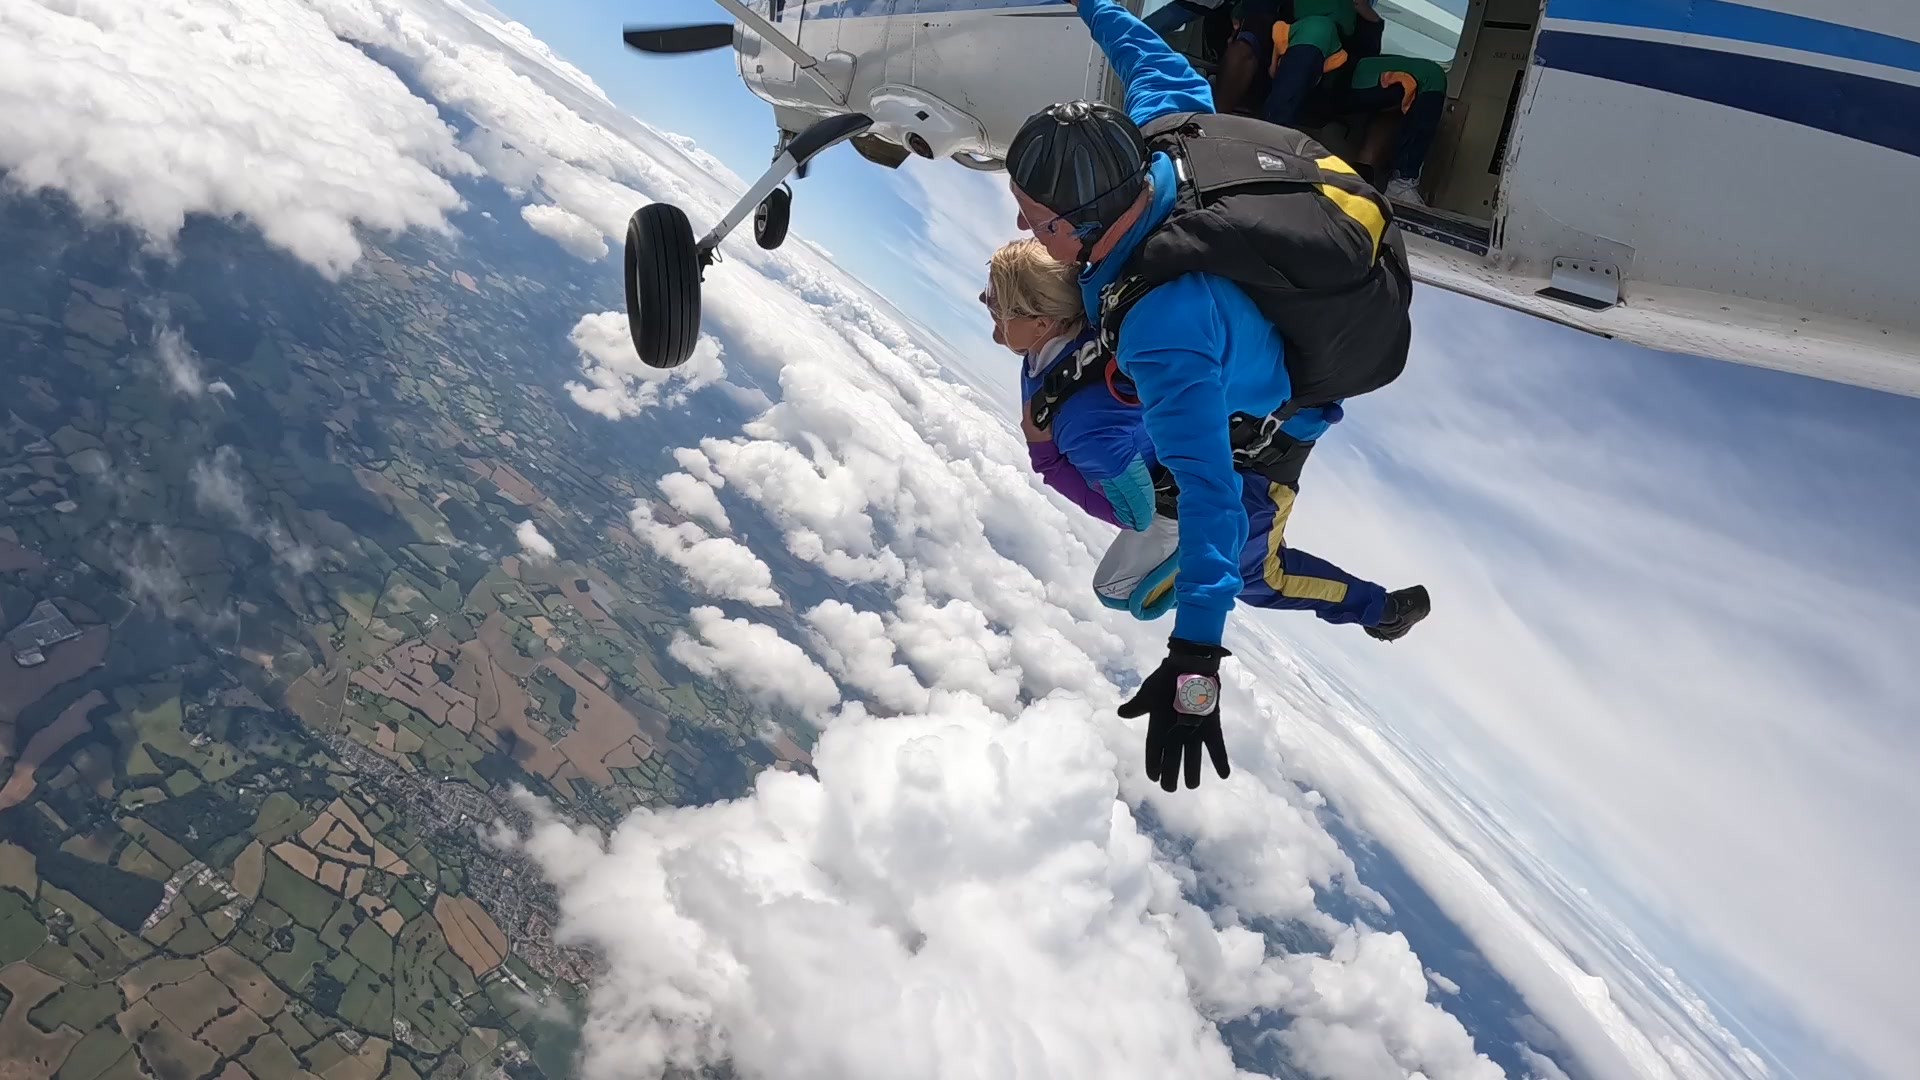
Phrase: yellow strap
x=1358 y=207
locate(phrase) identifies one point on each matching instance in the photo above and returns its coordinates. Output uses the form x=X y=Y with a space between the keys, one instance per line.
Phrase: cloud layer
x=144 y=113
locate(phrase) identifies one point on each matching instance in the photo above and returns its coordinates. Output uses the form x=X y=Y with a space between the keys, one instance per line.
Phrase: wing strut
x=801 y=57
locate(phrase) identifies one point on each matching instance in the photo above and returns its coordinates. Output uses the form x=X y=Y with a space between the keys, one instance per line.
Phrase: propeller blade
x=689 y=38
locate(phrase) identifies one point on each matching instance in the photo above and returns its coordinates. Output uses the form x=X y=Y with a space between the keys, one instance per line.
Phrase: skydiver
x=1200 y=353
x=1093 y=448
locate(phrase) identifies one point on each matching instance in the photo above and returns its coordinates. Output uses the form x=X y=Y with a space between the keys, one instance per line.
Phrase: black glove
x=1182 y=712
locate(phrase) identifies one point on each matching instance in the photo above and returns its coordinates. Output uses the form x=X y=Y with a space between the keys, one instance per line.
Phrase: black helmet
x=1083 y=160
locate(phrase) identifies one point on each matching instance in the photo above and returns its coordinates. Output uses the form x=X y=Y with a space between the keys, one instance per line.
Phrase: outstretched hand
x=1181 y=701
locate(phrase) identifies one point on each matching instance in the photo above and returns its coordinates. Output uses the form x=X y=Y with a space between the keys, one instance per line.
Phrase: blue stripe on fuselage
x=1738 y=22
x=1855 y=106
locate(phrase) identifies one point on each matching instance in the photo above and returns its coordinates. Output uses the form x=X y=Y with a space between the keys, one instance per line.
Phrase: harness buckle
x=1250 y=455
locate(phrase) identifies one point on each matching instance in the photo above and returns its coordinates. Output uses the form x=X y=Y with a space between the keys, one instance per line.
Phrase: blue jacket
x=1196 y=347
x=1103 y=438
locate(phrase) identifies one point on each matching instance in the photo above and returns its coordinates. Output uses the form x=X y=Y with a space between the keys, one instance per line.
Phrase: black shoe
x=1404 y=608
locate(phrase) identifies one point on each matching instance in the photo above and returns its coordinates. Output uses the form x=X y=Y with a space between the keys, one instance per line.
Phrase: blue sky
x=1672 y=594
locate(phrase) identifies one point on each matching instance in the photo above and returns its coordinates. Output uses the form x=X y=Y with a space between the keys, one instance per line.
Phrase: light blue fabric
x=1131 y=495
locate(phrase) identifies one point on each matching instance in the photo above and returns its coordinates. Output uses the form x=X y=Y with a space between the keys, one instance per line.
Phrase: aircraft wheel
x=663 y=285
x=771 y=217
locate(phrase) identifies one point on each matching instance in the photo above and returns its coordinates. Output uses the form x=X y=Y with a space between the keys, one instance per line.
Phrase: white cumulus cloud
x=568 y=229
x=531 y=542
x=756 y=657
x=619 y=384
x=695 y=498
x=145 y=113
x=720 y=565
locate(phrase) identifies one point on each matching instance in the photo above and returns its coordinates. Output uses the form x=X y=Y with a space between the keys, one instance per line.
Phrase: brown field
x=302 y=860
x=593 y=674
x=172 y=1052
x=251 y=985
x=250 y=869
x=21 y=687
x=788 y=750
x=409 y=678
x=503 y=704
x=17 y=868
x=71 y=724
x=515 y=486
x=156 y=972
x=231 y=1033
x=193 y=1004
x=472 y=933
x=338 y=849
x=25 y=1051
x=368 y=1064
x=606 y=735
x=499 y=645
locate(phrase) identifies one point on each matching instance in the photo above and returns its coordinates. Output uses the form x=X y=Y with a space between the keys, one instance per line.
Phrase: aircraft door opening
x=1483 y=96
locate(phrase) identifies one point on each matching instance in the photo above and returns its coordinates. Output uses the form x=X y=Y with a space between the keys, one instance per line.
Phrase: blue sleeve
x=1171 y=347
x=1158 y=80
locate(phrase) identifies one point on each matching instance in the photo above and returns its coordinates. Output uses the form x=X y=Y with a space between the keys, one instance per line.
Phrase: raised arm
x=1158 y=79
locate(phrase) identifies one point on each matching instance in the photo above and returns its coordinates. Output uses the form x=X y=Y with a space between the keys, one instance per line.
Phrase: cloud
x=718 y=564
x=571 y=231
x=757 y=658
x=531 y=542
x=982 y=938
x=151 y=563
x=856 y=647
x=618 y=383
x=179 y=363
x=147 y=113
x=695 y=498
x=220 y=485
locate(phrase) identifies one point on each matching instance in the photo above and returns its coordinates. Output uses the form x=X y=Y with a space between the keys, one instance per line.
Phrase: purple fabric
x=1060 y=475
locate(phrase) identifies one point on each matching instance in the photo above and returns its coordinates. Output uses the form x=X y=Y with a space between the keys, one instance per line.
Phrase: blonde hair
x=1026 y=281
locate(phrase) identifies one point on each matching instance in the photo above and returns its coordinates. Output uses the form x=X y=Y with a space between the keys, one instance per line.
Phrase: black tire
x=663 y=285
x=771 y=218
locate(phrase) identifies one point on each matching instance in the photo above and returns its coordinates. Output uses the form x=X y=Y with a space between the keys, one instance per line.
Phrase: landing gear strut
x=665 y=267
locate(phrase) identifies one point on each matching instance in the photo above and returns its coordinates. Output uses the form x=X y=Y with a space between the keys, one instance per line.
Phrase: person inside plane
x=1303 y=63
x=1200 y=352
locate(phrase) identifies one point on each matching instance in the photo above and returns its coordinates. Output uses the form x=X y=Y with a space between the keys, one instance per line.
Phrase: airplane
x=1734 y=180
